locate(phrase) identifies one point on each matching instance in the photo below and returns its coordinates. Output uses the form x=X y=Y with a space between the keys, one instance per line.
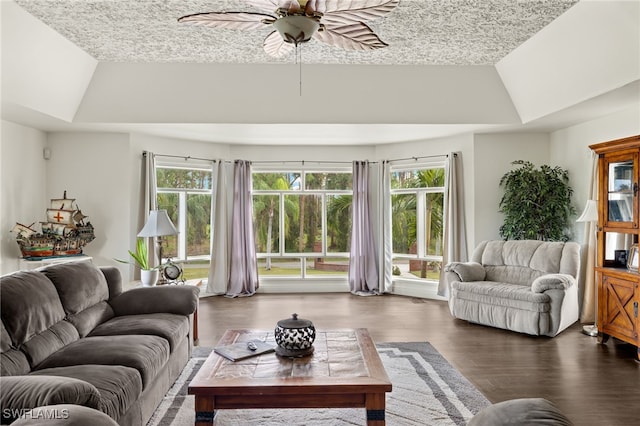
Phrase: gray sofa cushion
x=118 y=387
x=521 y=261
x=33 y=317
x=50 y=340
x=79 y=284
x=147 y=354
x=83 y=291
x=12 y=361
x=172 y=327
x=29 y=304
x=502 y=294
x=521 y=412
x=65 y=415
x=26 y=392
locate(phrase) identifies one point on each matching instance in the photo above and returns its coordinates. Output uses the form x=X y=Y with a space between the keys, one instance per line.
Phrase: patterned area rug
x=427 y=390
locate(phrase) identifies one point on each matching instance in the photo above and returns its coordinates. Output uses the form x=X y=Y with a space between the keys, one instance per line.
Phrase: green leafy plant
x=536 y=203
x=140 y=256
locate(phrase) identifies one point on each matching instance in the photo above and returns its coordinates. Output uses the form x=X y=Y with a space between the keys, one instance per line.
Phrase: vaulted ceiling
x=451 y=66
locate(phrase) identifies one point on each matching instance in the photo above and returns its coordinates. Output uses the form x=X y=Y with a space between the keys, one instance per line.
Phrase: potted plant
x=148 y=274
x=536 y=203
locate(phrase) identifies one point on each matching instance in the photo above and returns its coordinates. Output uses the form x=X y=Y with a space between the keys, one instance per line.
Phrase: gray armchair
x=525 y=286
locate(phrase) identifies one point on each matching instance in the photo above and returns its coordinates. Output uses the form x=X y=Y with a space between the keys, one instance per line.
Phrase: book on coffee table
x=242 y=350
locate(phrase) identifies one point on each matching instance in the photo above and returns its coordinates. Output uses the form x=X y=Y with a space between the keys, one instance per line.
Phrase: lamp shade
x=590 y=212
x=158 y=224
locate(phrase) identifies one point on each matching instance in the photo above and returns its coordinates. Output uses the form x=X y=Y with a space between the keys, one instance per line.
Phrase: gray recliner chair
x=525 y=286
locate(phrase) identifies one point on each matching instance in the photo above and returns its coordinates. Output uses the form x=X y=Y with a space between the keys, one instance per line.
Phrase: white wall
x=493 y=155
x=460 y=143
x=570 y=150
x=103 y=172
x=93 y=169
x=23 y=198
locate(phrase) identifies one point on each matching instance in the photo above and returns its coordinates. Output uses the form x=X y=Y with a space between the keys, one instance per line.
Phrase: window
x=302 y=222
x=186 y=195
x=417 y=197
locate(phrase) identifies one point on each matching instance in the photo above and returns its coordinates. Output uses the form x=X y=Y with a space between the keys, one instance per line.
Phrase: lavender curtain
x=455 y=234
x=243 y=276
x=363 y=268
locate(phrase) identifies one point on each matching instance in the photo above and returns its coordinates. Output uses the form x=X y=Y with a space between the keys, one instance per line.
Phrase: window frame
x=302 y=170
x=421 y=194
x=182 y=194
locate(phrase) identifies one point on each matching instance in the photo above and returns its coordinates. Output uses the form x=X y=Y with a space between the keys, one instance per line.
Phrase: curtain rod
x=185 y=157
x=421 y=158
x=188 y=157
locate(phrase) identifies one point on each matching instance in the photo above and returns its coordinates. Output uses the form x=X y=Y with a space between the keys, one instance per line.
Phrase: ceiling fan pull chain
x=299 y=59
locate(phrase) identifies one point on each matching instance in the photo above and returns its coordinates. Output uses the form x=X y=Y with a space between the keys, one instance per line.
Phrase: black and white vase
x=295 y=337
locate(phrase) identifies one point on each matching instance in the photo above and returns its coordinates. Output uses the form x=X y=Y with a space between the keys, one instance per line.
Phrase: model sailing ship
x=64 y=233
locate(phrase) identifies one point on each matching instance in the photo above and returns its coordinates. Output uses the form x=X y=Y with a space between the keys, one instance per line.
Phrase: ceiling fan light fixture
x=296 y=28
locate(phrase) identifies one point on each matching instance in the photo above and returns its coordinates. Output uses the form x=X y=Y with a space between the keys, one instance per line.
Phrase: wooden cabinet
x=618 y=232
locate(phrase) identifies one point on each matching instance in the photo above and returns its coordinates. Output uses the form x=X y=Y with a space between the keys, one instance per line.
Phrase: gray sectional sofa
x=70 y=335
x=525 y=286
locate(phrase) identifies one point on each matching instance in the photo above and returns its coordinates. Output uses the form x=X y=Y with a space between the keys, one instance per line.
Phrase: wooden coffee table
x=344 y=371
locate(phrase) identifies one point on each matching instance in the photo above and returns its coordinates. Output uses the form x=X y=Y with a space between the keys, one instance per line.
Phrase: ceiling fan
x=339 y=23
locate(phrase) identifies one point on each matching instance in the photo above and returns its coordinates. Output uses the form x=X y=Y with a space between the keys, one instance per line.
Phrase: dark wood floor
x=593 y=384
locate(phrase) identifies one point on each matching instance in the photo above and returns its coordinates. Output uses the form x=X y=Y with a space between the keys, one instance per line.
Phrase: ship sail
x=23 y=231
x=63 y=204
x=64 y=217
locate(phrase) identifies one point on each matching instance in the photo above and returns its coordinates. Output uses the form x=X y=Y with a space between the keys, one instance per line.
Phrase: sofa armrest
x=21 y=393
x=466 y=271
x=552 y=282
x=171 y=299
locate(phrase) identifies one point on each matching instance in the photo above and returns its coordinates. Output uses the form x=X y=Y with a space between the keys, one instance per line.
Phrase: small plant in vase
x=148 y=274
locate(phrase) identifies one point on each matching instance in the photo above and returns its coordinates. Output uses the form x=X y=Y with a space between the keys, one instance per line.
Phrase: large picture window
x=186 y=195
x=417 y=197
x=302 y=221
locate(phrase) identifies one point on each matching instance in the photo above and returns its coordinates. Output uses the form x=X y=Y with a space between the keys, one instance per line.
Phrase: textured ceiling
x=422 y=32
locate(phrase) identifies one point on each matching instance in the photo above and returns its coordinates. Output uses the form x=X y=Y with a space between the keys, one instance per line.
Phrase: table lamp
x=158 y=225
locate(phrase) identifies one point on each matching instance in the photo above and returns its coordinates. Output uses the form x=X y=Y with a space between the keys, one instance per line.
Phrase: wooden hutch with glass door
x=618 y=279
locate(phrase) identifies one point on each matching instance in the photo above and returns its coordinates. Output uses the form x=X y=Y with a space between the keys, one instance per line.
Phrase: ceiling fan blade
x=356 y=10
x=355 y=36
x=268 y=5
x=275 y=46
x=232 y=20
x=264 y=5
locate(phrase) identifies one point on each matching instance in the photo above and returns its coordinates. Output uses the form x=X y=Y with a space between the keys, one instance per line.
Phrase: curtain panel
x=455 y=233
x=589 y=286
x=221 y=213
x=385 y=257
x=363 y=265
x=243 y=274
x=149 y=199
